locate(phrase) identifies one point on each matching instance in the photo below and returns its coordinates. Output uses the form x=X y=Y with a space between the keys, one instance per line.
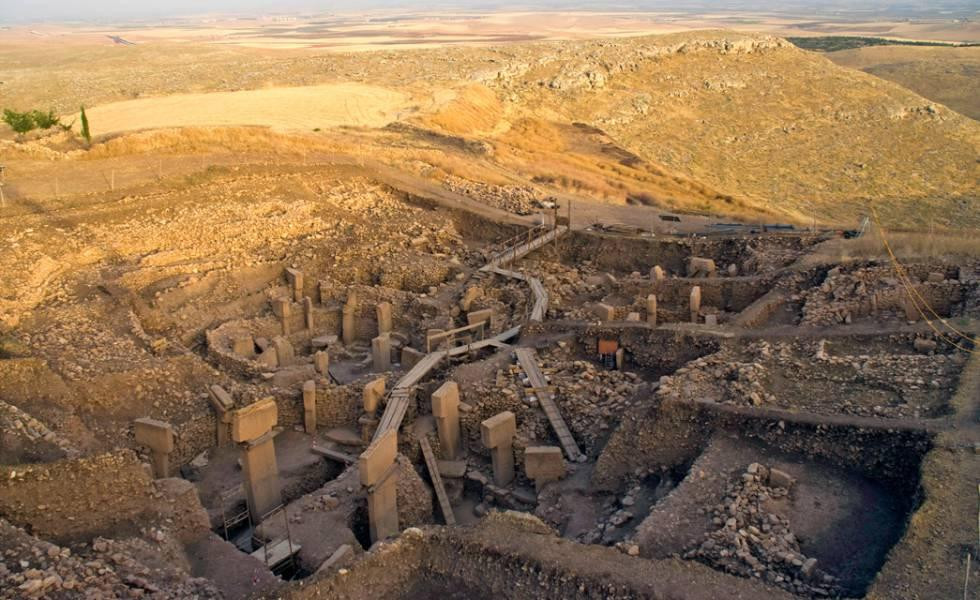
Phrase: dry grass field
x=950 y=76
x=309 y=107
x=740 y=125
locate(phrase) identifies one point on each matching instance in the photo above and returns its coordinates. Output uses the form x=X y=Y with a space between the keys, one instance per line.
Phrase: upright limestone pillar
x=349 y=323
x=295 y=279
x=652 y=309
x=223 y=404
x=381 y=352
x=379 y=474
x=445 y=408
x=383 y=311
x=695 y=303
x=159 y=438
x=657 y=274
x=285 y=354
x=309 y=406
x=321 y=362
x=370 y=398
x=909 y=306
x=252 y=429
x=308 y=313
x=282 y=308
x=497 y=433
x=543 y=464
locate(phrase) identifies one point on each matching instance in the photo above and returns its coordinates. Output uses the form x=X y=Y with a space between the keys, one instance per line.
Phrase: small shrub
x=45 y=120
x=19 y=122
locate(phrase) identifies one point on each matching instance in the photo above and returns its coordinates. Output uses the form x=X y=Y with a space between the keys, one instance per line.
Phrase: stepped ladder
x=433 y=466
x=527 y=357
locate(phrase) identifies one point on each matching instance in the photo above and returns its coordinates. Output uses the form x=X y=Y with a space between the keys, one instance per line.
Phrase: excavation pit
x=796 y=523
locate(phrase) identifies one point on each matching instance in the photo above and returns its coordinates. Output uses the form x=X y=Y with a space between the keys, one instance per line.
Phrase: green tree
x=45 y=120
x=19 y=122
x=85 y=131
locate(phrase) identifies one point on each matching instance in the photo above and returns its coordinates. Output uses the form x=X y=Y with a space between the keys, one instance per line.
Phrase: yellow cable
x=904 y=273
x=910 y=289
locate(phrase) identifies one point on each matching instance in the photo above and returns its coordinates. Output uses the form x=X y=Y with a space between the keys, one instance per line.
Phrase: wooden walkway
x=276 y=552
x=521 y=250
x=400 y=396
x=335 y=455
x=433 y=466
x=529 y=362
x=540 y=295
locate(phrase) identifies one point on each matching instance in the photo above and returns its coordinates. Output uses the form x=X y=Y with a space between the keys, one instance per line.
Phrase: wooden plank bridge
x=528 y=359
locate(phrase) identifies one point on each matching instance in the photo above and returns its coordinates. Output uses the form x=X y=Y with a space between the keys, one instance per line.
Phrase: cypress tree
x=85 y=132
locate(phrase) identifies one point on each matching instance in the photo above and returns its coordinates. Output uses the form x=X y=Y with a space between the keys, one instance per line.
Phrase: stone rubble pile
x=521 y=200
x=752 y=541
x=571 y=288
x=592 y=399
x=879 y=385
x=848 y=293
x=17 y=422
x=33 y=568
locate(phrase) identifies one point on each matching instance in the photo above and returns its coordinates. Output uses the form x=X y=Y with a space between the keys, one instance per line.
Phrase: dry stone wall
x=74 y=500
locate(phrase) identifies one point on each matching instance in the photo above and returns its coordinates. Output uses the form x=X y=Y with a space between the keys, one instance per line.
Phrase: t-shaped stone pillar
x=285 y=354
x=371 y=397
x=498 y=435
x=349 y=322
x=384 y=317
x=381 y=352
x=657 y=274
x=223 y=404
x=252 y=427
x=700 y=267
x=652 y=309
x=159 y=438
x=309 y=406
x=379 y=474
x=283 y=308
x=604 y=312
x=695 y=303
x=243 y=345
x=445 y=408
x=543 y=464
x=295 y=279
x=321 y=362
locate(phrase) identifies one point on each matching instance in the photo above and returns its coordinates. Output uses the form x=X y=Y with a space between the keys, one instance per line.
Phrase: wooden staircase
x=433 y=467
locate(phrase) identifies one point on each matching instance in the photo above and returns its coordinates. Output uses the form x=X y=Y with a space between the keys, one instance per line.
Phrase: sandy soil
x=280 y=108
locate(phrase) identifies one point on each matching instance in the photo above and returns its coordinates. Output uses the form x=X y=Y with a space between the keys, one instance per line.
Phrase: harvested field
x=304 y=108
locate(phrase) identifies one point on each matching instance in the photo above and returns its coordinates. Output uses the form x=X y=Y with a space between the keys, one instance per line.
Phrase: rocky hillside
x=948 y=75
x=755 y=117
x=711 y=121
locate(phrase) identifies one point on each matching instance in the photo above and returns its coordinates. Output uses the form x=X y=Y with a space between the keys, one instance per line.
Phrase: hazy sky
x=13 y=11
